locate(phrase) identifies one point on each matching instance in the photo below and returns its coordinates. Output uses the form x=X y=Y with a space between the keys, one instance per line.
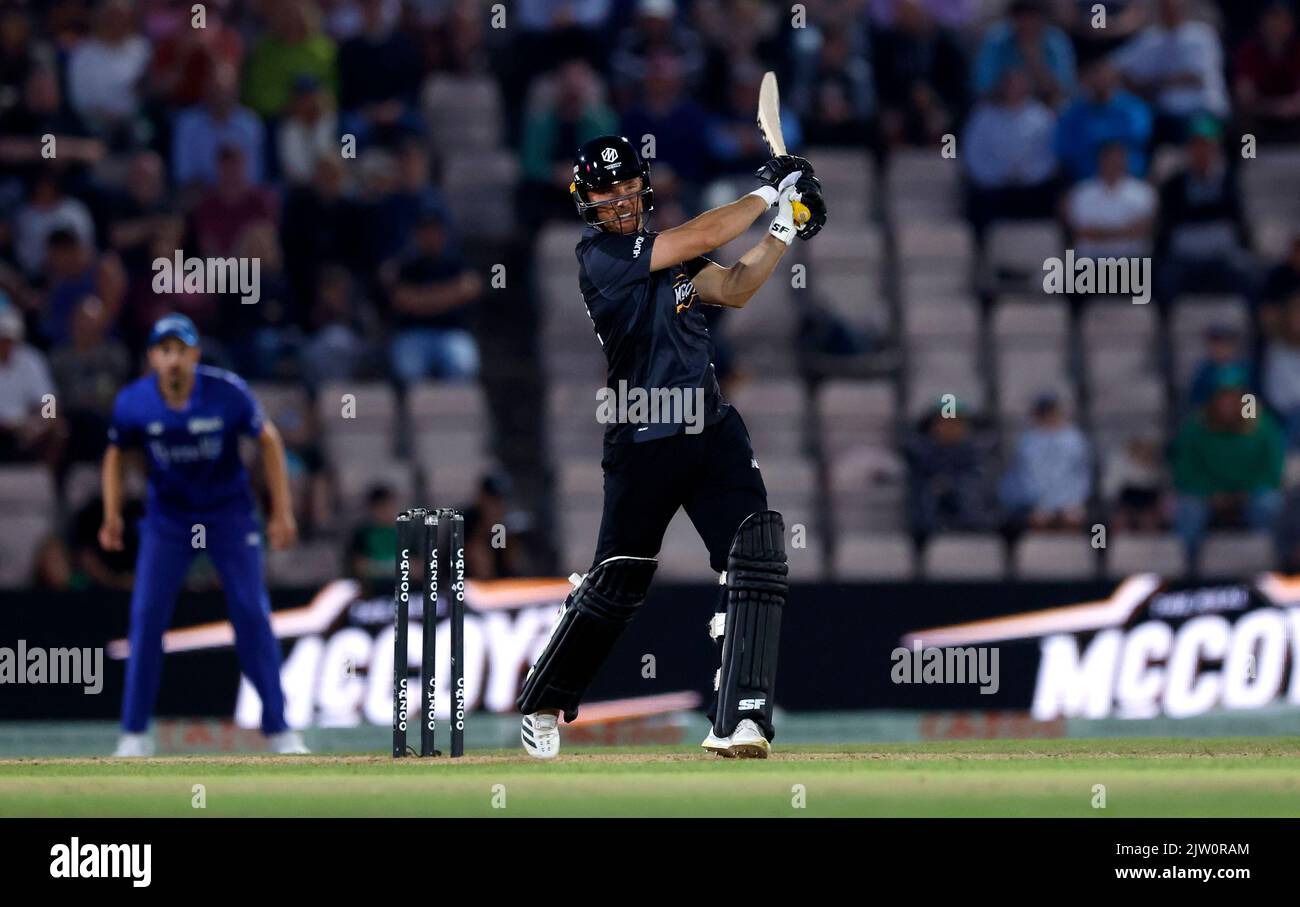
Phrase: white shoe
x=540 y=733
x=745 y=742
x=133 y=745
x=287 y=743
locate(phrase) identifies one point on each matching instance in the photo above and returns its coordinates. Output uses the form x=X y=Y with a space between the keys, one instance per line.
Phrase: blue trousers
x=164 y=558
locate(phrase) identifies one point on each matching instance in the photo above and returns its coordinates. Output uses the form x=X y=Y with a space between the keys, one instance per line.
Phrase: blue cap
x=174 y=325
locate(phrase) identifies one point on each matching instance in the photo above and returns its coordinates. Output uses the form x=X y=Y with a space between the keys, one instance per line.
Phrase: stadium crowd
x=305 y=134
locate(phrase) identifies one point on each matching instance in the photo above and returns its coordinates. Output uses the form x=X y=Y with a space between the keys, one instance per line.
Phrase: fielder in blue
x=189 y=418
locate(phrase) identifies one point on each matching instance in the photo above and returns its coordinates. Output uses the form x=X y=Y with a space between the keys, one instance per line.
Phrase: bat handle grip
x=800 y=212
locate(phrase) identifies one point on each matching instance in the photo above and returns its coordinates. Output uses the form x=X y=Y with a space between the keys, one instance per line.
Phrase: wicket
x=418 y=531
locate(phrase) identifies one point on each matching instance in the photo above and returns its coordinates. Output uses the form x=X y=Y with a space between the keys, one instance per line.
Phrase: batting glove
x=782 y=226
x=809 y=190
x=775 y=171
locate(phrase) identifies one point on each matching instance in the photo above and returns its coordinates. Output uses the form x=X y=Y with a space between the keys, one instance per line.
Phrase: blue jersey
x=195 y=473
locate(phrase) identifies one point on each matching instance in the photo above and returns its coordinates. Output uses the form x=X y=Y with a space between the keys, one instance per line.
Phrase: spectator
x=21 y=53
x=487 y=556
x=1050 y=476
x=1134 y=486
x=74 y=272
x=1288 y=533
x=655 y=31
x=1281 y=370
x=373 y=546
x=1111 y=214
x=836 y=91
x=186 y=62
x=293 y=46
x=1203 y=240
x=399 y=192
x=263 y=338
x=309 y=128
x=94 y=567
x=679 y=125
x=25 y=391
x=106 y=73
x=948 y=13
x=734 y=144
x=41 y=112
x=1092 y=37
x=379 y=79
x=202 y=131
x=88 y=369
x=322 y=223
x=230 y=206
x=575 y=114
x=48 y=209
x=1222 y=351
x=336 y=348
x=1227 y=466
x=1267 y=84
x=1008 y=156
x=1104 y=113
x=1027 y=40
x=1176 y=64
x=1280 y=284
x=920 y=73
x=949 y=470
x=143 y=226
x=431 y=297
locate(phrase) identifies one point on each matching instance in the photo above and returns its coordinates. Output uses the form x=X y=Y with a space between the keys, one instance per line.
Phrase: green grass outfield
x=1231 y=776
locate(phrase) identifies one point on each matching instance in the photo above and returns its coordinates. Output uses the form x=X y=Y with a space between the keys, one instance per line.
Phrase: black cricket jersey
x=649 y=325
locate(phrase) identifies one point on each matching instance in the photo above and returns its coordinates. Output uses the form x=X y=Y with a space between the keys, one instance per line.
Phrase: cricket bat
x=769 y=123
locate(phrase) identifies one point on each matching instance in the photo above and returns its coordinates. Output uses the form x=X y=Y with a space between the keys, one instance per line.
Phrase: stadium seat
x=1236 y=554
x=463 y=111
x=1053 y=556
x=1113 y=319
x=479 y=185
x=1142 y=552
x=447 y=400
x=1025 y=373
x=1024 y=246
x=961 y=556
x=306 y=565
x=875 y=558
x=355 y=479
x=1030 y=321
x=856 y=414
x=26 y=489
x=926 y=321
x=922 y=185
x=1271 y=183
x=21 y=534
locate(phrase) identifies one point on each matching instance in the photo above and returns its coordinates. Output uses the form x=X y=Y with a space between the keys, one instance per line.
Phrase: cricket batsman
x=643 y=290
x=189 y=418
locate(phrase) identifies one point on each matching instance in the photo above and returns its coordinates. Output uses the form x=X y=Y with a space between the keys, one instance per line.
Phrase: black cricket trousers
x=713 y=474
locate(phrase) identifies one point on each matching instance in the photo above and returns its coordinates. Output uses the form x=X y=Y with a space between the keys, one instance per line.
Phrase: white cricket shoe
x=287 y=743
x=133 y=745
x=540 y=733
x=745 y=742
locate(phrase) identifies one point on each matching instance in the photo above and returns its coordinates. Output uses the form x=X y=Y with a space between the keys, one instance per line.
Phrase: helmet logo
x=609 y=155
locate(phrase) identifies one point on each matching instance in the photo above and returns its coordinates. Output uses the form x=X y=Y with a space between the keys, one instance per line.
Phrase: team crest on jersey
x=684 y=294
x=199 y=425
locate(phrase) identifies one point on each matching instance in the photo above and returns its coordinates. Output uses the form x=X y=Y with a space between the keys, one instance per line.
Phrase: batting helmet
x=602 y=163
